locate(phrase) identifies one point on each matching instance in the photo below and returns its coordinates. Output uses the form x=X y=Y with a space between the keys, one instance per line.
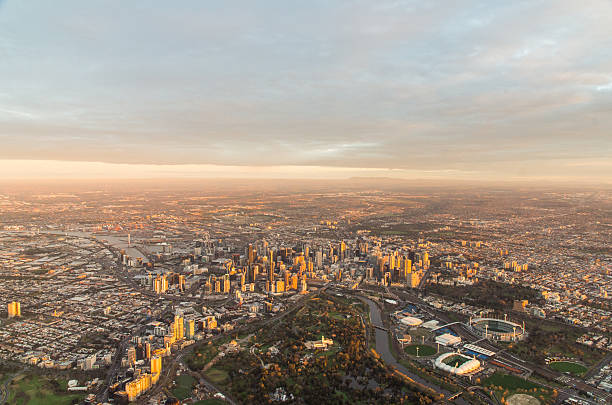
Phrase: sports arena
x=457 y=363
x=498 y=329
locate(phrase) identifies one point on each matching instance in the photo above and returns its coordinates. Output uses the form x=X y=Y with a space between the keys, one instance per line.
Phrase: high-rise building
x=226 y=284
x=303 y=285
x=131 y=355
x=414 y=279
x=271 y=271
x=211 y=322
x=208 y=286
x=137 y=386
x=89 y=362
x=156 y=365
x=178 y=328
x=14 y=309
x=251 y=254
x=160 y=284
x=190 y=329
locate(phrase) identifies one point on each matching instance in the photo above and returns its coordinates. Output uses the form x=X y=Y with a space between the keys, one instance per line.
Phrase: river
x=383 y=348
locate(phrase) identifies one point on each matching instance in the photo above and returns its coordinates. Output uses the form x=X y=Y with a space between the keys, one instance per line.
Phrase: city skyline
x=474 y=91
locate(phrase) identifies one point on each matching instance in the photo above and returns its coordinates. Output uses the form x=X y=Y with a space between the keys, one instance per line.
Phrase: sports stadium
x=457 y=363
x=498 y=329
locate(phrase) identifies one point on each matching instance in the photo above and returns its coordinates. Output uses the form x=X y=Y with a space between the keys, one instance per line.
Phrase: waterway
x=383 y=348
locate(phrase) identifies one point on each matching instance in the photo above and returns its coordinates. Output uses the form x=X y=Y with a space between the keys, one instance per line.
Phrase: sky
x=323 y=89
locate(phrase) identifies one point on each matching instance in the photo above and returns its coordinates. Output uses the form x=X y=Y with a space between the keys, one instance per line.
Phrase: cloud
x=393 y=84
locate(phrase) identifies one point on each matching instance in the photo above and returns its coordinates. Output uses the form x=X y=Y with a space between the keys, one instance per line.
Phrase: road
x=595 y=369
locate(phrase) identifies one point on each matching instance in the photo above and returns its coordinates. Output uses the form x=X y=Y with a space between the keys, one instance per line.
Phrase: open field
x=510 y=382
x=506 y=385
x=424 y=350
x=37 y=390
x=456 y=361
x=217 y=376
x=569 y=367
x=184 y=385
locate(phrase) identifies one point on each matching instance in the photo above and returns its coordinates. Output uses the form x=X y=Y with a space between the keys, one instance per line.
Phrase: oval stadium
x=457 y=363
x=498 y=329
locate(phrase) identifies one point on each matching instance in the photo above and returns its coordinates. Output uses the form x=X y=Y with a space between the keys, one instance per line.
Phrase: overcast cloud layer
x=491 y=88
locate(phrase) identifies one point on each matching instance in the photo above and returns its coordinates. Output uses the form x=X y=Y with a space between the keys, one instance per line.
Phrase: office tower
x=148 y=350
x=342 y=250
x=14 y=309
x=251 y=254
x=303 y=285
